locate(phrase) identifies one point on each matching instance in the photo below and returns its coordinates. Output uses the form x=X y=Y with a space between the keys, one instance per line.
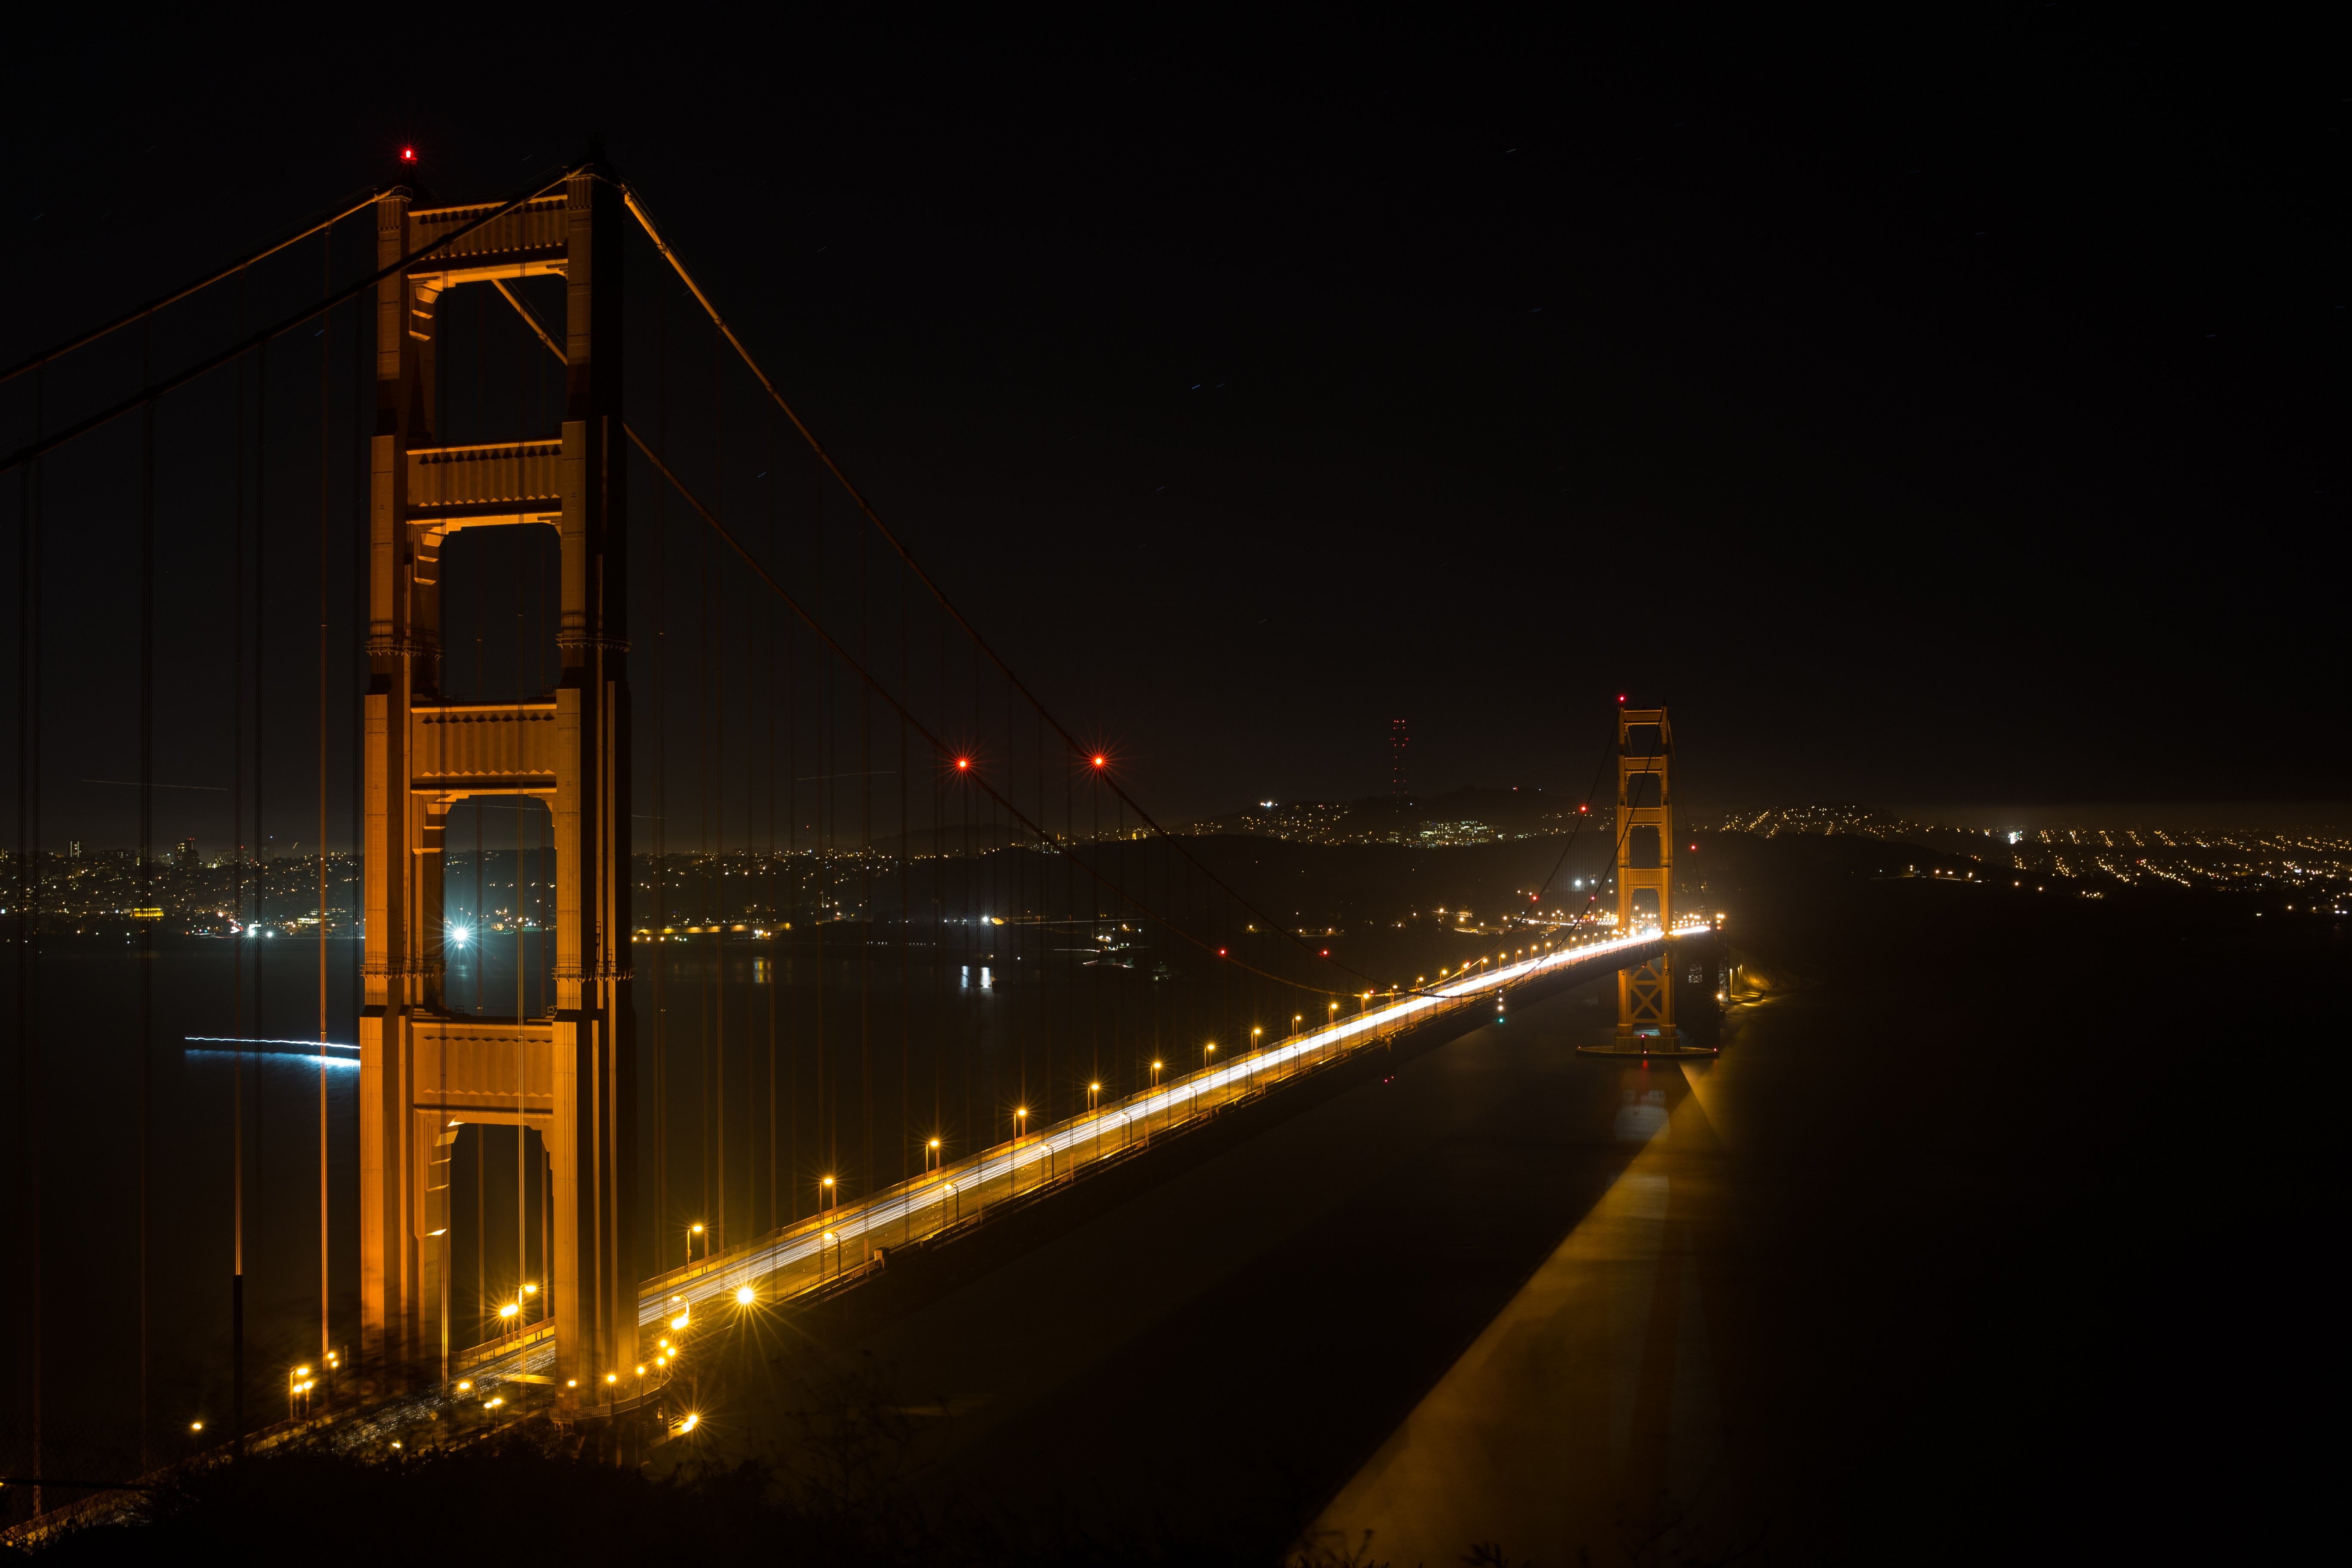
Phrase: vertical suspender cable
x=905 y=899
x=775 y=915
x=661 y=788
x=146 y=881
x=1010 y=873
x=237 y=922
x=362 y=379
x=260 y=839
x=702 y=877
x=791 y=905
x=828 y=1141
x=866 y=1170
x=538 y=549
x=717 y=696
x=939 y=913
x=749 y=906
x=326 y=354
x=31 y=875
x=1045 y=899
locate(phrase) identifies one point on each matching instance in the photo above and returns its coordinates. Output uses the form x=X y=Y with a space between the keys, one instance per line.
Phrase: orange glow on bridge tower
x=567 y=1076
x=1645 y=864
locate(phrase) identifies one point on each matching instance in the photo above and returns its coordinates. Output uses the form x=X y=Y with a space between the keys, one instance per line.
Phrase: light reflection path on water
x=1589 y=1402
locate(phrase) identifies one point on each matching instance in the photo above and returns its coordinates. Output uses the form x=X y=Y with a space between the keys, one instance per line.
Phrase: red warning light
x=1100 y=760
x=1327 y=952
x=1220 y=952
x=964 y=764
x=408 y=155
x=1621 y=697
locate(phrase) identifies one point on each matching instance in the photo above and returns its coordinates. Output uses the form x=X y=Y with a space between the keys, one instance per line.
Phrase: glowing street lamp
x=932 y=1155
x=691 y=1232
x=827 y=1194
x=1094 y=1092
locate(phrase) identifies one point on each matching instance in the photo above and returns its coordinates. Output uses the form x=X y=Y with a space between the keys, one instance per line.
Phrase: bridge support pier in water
x=569 y=1074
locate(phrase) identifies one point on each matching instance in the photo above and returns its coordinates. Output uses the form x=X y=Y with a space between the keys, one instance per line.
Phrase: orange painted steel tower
x=1645 y=863
x=567 y=1076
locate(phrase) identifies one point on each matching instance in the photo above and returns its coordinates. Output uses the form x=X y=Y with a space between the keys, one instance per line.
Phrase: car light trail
x=891 y=1210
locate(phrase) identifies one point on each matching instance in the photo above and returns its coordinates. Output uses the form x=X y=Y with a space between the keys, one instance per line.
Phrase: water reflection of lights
x=1641 y=1116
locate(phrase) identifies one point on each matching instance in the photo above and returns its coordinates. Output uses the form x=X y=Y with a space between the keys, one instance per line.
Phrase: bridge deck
x=814 y=1252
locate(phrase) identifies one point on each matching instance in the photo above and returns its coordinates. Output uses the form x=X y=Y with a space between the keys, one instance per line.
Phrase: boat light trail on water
x=307 y=1051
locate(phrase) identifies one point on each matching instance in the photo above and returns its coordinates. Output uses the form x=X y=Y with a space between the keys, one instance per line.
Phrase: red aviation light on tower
x=408 y=155
x=1101 y=761
x=964 y=764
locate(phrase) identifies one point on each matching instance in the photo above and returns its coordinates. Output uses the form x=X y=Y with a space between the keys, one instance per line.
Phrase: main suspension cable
x=944 y=750
x=156 y=390
x=1043 y=837
x=678 y=264
x=140 y=312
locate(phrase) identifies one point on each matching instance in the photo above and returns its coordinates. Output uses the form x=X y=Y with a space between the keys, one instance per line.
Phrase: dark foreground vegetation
x=533 y=1494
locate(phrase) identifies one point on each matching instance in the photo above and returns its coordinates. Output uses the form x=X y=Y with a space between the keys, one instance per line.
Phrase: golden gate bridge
x=840 y=943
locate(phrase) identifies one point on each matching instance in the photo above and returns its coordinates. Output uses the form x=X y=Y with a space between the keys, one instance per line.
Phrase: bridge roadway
x=810 y=1253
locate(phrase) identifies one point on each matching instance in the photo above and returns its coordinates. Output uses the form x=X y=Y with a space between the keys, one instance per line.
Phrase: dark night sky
x=1952 y=414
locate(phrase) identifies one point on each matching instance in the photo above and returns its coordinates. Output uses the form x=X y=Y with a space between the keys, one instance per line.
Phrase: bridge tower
x=569 y=1075
x=1645 y=995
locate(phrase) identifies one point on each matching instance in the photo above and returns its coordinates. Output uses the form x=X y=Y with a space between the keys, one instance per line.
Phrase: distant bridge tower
x=1645 y=863
x=567 y=1076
